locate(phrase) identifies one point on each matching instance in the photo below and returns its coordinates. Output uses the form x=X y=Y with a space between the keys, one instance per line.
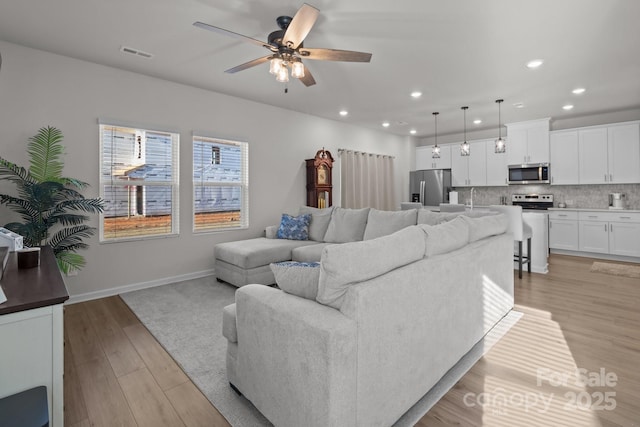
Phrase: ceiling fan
x=286 y=47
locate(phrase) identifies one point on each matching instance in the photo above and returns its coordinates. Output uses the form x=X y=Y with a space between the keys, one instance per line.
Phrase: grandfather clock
x=319 y=180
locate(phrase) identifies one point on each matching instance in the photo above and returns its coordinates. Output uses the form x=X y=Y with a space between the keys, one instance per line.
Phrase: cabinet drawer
x=563 y=215
x=609 y=216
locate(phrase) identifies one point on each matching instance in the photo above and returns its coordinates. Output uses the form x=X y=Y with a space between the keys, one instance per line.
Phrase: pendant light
x=435 y=154
x=465 y=148
x=500 y=143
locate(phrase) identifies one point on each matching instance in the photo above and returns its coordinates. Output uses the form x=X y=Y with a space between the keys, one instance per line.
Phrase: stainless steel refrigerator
x=430 y=187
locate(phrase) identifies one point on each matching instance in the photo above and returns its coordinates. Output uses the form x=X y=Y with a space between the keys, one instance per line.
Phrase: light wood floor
x=117 y=374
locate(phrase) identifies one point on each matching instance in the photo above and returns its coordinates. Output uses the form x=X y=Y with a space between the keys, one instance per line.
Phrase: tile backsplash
x=575 y=196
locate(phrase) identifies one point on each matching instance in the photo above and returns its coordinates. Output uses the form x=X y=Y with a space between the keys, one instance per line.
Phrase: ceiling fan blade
x=334 y=55
x=308 y=79
x=234 y=35
x=300 y=26
x=249 y=64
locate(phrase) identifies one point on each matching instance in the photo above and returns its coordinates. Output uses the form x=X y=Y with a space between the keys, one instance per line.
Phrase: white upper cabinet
x=528 y=142
x=497 y=171
x=610 y=154
x=624 y=153
x=563 y=147
x=425 y=160
x=471 y=170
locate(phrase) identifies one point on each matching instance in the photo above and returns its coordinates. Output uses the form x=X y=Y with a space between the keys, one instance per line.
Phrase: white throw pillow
x=346 y=225
x=349 y=263
x=319 y=221
x=297 y=278
x=445 y=237
x=485 y=226
x=383 y=223
x=425 y=216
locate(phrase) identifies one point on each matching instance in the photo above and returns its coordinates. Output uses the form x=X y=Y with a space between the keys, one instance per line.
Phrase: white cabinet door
x=517 y=146
x=477 y=164
x=425 y=160
x=594 y=236
x=592 y=147
x=624 y=154
x=563 y=161
x=563 y=234
x=497 y=171
x=538 y=145
x=624 y=239
x=460 y=171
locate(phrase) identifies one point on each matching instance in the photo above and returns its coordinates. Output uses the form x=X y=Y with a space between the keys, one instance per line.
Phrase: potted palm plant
x=52 y=209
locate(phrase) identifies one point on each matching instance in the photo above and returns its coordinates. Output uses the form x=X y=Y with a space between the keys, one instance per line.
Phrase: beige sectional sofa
x=247 y=261
x=378 y=325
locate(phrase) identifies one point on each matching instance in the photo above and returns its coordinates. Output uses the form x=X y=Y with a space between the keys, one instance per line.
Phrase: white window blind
x=139 y=182
x=220 y=184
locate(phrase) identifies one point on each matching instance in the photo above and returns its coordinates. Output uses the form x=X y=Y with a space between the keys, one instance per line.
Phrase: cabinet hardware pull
x=610 y=227
x=592 y=216
x=605 y=177
x=610 y=177
x=562 y=215
x=605 y=227
x=625 y=217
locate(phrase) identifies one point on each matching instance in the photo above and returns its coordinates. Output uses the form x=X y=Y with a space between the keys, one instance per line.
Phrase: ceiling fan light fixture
x=283 y=73
x=297 y=70
x=275 y=65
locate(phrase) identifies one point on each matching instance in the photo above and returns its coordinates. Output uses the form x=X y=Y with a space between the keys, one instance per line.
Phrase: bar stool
x=521 y=231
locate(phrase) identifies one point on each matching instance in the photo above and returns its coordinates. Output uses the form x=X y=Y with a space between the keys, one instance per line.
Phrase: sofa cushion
x=294 y=227
x=346 y=225
x=425 y=216
x=257 y=252
x=485 y=226
x=319 y=221
x=297 y=278
x=383 y=223
x=348 y=263
x=311 y=253
x=229 y=329
x=445 y=237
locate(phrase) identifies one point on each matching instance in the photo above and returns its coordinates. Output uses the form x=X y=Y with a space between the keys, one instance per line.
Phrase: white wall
x=39 y=89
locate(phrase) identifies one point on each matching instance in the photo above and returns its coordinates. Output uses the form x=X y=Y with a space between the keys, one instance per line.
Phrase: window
x=138 y=183
x=220 y=184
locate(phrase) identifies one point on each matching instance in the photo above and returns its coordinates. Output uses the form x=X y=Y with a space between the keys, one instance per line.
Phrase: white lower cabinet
x=563 y=230
x=597 y=232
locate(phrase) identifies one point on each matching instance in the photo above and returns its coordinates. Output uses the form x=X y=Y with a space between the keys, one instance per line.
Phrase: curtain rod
x=341 y=150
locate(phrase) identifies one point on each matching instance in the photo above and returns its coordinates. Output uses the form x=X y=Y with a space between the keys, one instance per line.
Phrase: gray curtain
x=367 y=180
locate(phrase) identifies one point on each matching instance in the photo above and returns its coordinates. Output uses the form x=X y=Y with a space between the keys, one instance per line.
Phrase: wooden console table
x=31 y=331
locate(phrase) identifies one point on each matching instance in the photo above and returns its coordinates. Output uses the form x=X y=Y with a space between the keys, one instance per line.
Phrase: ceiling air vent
x=136 y=52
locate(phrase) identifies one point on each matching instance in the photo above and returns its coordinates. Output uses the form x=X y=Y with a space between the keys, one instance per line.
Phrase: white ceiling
x=456 y=52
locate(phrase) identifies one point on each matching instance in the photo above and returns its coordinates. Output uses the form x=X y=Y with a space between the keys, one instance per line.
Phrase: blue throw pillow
x=297 y=278
x=294 y=227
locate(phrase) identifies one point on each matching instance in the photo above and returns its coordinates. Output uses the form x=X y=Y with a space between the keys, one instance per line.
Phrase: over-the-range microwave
x=529 y=173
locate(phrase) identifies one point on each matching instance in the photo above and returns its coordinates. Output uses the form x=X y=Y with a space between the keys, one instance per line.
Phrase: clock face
x=322 y=175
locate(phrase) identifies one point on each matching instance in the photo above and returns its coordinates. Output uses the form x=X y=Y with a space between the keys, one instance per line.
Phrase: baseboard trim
x=609 y=257
x=88 y=296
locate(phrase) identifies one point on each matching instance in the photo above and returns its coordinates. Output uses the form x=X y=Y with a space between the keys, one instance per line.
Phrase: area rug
x=186 y=319
x=626 y=270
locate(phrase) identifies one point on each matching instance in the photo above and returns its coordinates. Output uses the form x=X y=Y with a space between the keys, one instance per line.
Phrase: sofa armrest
x=295 y=353
x=271 y=231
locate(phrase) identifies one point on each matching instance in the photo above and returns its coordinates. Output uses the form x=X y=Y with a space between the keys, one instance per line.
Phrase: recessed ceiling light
x=519 y=105
x=416 y=94
x=477 y=121
x=344 y=113
x=385 y=124
x=413 y=131
x=535 y=63
x=578 y=91
x=567 y=107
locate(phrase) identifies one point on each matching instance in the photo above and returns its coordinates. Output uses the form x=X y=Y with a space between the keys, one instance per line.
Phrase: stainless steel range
x=534 y=207
x=538 y=202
